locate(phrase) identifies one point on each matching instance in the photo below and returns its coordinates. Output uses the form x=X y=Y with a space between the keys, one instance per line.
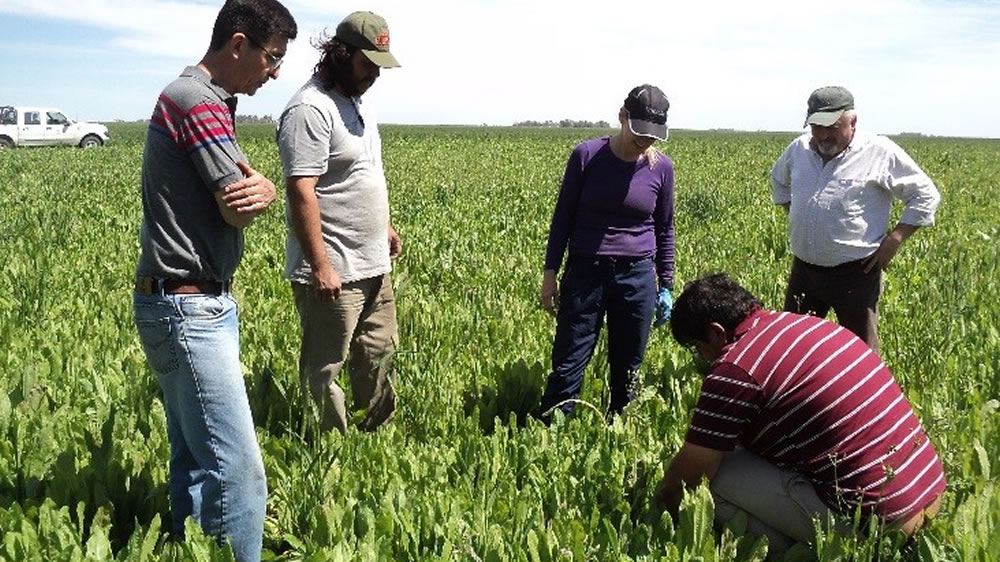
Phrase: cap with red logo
x=368 y=32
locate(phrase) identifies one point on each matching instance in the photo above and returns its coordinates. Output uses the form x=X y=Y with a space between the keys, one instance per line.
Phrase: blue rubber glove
x=664 y=302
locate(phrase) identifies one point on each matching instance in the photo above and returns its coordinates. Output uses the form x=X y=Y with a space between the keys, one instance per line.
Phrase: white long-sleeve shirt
x=840 y=210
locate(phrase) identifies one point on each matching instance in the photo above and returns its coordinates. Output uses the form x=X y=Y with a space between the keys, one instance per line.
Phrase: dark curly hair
x=712 y=298
x=259 y=20
x=334 y=55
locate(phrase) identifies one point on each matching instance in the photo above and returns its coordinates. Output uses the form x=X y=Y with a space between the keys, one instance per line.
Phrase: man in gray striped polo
x=198 y=194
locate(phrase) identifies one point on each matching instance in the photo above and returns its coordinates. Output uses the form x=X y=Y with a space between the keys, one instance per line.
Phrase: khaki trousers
x=780 y=504
x=359 y=327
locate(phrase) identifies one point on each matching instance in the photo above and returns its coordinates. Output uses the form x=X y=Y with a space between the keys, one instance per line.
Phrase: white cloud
x=171 y=28
x=739 y=65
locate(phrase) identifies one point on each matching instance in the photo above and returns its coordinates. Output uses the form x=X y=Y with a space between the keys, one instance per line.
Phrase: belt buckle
x=144 y=285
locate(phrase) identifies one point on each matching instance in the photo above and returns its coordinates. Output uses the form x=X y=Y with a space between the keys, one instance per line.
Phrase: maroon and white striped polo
x=811 y=397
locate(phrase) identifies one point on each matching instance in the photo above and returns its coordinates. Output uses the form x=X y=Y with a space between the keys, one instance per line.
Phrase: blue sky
x=913 y=65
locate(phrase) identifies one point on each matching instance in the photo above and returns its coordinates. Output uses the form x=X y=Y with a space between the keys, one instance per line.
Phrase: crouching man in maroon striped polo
x=798 y=420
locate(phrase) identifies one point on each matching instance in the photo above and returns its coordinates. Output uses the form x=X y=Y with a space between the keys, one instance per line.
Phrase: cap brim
x=648 y=129
x=382 y=58
x=824 y=118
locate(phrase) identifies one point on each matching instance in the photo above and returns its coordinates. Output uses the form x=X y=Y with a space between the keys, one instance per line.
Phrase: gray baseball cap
x=827 y=104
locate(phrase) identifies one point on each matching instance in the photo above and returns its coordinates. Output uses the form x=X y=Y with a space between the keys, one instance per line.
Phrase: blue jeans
x=216 y=471
x=623 y=289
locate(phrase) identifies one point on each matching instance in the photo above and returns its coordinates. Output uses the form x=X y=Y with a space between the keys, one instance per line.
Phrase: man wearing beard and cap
x=837 y=185
x=340 y=241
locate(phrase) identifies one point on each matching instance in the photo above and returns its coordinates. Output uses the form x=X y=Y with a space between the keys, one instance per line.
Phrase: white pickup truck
x=46 y=126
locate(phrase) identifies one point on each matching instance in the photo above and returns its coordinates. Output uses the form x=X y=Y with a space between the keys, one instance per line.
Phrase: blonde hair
x=652 y=155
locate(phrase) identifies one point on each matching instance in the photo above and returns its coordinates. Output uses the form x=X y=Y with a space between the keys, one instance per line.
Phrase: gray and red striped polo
x=811 y=397
x=191 y=152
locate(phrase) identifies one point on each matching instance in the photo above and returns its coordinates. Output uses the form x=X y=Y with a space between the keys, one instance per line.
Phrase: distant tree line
x=254 y=119
x=239 y=119
x=565 y=124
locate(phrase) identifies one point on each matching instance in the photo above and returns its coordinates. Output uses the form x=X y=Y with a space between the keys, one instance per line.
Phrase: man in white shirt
x=837 y=185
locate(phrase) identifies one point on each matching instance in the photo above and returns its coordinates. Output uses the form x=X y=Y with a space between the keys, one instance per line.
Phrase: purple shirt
x=610 y=207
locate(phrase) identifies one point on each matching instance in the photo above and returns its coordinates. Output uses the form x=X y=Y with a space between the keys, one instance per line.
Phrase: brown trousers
x=359 y=327
x=846 y=288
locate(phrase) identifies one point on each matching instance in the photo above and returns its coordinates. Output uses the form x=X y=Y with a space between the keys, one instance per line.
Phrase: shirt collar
x=356 y=100
x=742 y=328
x=748 y=323
x=200 y=75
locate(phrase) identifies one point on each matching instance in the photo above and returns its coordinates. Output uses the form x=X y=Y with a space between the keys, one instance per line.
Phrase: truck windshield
x=56 y=118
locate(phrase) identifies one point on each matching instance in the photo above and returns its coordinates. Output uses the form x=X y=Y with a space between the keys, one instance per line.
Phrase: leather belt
x=151 y=285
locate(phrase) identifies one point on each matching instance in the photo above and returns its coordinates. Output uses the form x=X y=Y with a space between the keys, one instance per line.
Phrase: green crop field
x=458 y=475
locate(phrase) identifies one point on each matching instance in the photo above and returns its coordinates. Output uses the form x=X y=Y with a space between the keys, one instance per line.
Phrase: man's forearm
x=686 y=469
x=303 y=210
x=670 y=492
x=902 y=231
x=229 y=214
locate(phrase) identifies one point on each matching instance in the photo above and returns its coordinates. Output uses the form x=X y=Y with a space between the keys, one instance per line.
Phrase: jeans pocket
x=159 y=343
x=205 y=307
x=644 y=265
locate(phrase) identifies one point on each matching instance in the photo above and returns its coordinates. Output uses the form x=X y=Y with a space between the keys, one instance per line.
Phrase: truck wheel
x=6 y=143
x=90 y=141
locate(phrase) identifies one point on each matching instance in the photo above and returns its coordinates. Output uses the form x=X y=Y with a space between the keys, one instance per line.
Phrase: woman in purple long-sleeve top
x=615 y=213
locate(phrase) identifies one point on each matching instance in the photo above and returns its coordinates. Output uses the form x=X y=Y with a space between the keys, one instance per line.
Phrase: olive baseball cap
x=647 y=111
x=369 y=32
x=827 y=104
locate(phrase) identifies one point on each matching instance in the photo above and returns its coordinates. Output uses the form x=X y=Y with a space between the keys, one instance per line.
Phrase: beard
x=344 y=78
x=341 y=76
x=827 y=147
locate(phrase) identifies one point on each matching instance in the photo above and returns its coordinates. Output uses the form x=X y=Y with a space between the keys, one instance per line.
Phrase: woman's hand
x=550 y=292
